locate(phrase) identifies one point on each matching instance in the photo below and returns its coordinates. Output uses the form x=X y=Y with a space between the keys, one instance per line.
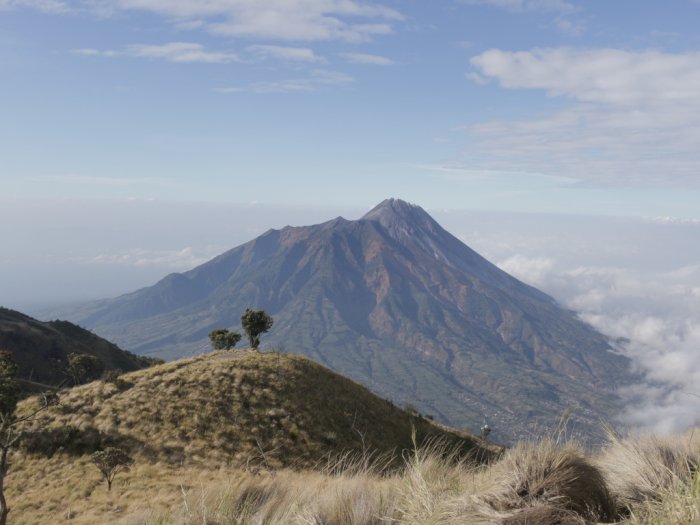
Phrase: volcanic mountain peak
x=401 y=218
x=392 y=207
x=394 y=301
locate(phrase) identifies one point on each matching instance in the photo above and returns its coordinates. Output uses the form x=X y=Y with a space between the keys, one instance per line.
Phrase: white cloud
x=655 y=319
x=532 y=270
x=317 y=79
x=293 y=20
x=610 y=76
x=183 y=259
x=559 y=6
x=181 y=52
x=91 y=52
x=676 y=220
x=293 y=54
x=104 y=181
x=364 y=58
x=45 y=6
x=633 y=118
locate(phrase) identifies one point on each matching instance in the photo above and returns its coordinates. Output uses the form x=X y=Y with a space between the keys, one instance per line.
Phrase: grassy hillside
x=41 y=349
x=632 y=482
x=204 y=418
x=243 y=438
x=234 y=408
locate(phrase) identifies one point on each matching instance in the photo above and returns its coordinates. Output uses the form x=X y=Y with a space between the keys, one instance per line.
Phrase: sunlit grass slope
x=240 y=411
x=249 y=439
x=233 y=408
x=631 y=483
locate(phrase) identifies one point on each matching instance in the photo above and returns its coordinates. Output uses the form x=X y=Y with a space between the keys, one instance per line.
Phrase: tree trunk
x=3 y=504
x=109 y=488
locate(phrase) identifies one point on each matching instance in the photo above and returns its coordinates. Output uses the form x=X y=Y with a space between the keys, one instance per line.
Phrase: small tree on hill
x=223 y=339
x=255 y=322
x=83 y=368
x=10 y=423
x=110 y=462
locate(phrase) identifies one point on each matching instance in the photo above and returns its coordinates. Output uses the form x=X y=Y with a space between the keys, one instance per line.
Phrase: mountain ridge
x=41 y=349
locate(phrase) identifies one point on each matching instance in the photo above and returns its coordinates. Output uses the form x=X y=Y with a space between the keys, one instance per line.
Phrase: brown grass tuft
x=560 y=477
x=639 y=469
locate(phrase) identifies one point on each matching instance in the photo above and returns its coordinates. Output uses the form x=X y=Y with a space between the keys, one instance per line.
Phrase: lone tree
x=110 y=462
x=10 y=423
x=255 y=322
x=223 y=339
x=83 y=368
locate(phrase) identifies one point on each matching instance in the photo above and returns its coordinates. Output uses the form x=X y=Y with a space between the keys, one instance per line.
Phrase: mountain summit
x=398 y=303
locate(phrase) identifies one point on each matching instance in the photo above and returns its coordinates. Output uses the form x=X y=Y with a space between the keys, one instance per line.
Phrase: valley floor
x=632 y=481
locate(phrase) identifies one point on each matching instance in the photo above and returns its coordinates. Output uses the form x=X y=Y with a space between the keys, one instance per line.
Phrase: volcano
x=393 y=301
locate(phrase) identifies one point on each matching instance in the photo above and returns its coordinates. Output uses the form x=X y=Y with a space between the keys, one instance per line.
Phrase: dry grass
x=223 y=440
x=553 y=476
x=655 y=480
x=262 y=411
x=536 y=484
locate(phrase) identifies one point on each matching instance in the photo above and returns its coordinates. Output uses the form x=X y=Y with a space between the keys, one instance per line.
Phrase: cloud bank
x=631 y=119
x=655 y=319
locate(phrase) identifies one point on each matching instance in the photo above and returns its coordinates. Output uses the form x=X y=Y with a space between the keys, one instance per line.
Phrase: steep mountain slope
x=398 y=303
x=41 y=349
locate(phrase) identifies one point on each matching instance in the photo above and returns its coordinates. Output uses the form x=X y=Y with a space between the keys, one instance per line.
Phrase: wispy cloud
x=317 y=79
x=556 y=6
x=676 y=220
x=178 y=52
x=610 y=76
x=633 y=118
x=290 y=54
x=565 y=13
x=181 y=52
x=301 y=20
x=183 y=259
x=92 y=52
x=104 y=181
x=364 y=58
x=45 y=6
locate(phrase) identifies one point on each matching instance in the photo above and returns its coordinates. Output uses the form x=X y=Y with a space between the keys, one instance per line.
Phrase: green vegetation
x=255 y=322
x=83 y=368
x=223 y=339
x=110 y=462
x=42 y=350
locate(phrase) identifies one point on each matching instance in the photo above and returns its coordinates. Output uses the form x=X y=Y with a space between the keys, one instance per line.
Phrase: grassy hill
x=41 y=349
x=202 y=419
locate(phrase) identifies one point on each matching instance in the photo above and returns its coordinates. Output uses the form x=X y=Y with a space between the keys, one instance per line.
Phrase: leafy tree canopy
x=223 y=339
x=83 y=368
x=255 y=322
x=9 y=384
x=110 y=462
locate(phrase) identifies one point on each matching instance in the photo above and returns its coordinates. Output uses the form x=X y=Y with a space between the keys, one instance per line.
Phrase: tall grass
x=224 y=439
x=635 y=481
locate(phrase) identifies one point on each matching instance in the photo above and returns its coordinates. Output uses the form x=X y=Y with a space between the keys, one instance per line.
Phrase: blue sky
x=511 y=105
